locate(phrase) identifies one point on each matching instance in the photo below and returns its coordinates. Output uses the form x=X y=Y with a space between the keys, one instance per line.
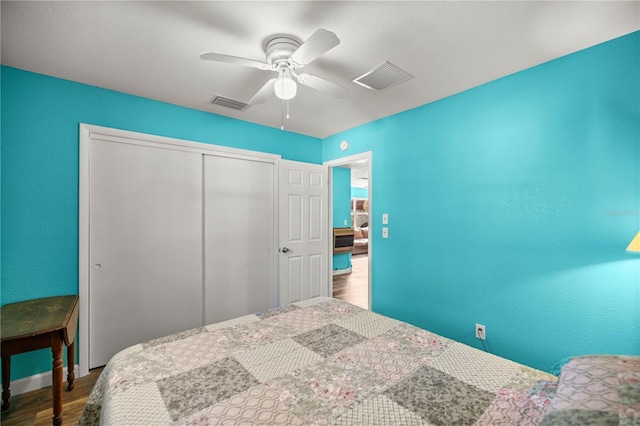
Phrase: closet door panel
x=239 y=237
x=145 y=245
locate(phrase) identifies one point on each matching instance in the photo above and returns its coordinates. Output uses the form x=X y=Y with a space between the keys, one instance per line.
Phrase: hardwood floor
x=354 y=287
x=35 y=407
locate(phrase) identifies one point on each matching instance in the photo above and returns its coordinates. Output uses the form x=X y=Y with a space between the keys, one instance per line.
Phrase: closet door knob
x=284 y=250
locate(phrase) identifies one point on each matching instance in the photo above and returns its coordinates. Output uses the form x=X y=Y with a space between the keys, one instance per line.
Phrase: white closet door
x=239 y=237
x=145 y=245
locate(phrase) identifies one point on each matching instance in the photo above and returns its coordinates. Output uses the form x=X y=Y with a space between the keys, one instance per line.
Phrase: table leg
x=6 y=379
x=71 y=361
x=56 y=351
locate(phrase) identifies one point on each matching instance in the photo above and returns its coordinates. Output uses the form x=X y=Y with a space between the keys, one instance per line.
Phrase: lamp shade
x=285 y=87
x=634 y=245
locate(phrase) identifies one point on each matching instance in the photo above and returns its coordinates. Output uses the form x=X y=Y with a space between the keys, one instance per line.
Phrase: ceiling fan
x=285 y=55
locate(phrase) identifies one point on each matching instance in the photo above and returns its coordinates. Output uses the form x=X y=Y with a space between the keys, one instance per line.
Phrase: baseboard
x=341 y=271
x=37 y=381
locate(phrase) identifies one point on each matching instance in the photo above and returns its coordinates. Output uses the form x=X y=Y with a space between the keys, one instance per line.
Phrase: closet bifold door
x=239 y=239
x=145 y=245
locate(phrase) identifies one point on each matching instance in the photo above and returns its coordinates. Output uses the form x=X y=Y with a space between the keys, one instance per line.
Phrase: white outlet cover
x=481 y=332
x=385 y=218
x=385 y=232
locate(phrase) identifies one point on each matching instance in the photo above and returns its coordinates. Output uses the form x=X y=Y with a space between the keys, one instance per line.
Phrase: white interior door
x=145 y=277
x=240 y=241
x=304 y=244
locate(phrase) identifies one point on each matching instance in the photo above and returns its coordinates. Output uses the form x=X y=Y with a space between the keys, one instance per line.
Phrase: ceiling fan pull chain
x=287 y=109
x=281 y=114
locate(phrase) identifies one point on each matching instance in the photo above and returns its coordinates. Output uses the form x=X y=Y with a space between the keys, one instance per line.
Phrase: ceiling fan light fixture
x=284 y=86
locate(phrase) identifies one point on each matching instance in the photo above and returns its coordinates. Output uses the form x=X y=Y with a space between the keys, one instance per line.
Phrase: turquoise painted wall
x=359 y=193
x=341 y=205
x=40 y=118
x=511 y=205
x=341 y=261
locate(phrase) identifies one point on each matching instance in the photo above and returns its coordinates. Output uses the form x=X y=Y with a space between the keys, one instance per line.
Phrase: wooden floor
x=35 y=407
x=354 y=287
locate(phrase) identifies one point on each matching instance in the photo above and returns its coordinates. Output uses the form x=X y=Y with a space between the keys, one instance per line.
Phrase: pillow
x=357 y=234
x=365 y=232
x=597 y=390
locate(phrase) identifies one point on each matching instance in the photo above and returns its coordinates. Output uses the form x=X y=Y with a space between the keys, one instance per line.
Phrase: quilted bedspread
x=320 y=361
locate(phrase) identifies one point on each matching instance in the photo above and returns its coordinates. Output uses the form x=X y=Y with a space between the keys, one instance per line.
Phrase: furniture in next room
x=325 y=361
x=38 y=324
x=342 y=240
x=361 y=240
x=359 y=212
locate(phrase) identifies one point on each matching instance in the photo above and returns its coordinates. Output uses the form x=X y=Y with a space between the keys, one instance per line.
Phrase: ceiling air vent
x=382 y=77
x=229 y=103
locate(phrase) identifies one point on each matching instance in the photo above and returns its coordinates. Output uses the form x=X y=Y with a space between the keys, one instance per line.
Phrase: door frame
x=87 y=132
x=367 y=155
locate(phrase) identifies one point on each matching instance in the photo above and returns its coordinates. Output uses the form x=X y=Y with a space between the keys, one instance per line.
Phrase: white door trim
x=337 y=163
x=126 y=136
x=88 y=132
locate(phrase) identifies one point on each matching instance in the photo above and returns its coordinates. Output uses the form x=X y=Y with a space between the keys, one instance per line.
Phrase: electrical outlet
x=345 y=222
x=385 y=232
x=481 y=332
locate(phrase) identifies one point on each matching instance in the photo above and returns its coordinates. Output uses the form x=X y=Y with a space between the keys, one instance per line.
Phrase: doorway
x=353 y=284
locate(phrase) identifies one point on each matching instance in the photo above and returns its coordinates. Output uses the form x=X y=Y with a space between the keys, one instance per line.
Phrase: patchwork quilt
x=320 y=361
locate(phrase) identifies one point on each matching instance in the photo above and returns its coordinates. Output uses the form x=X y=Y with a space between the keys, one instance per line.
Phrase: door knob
x=284 y=250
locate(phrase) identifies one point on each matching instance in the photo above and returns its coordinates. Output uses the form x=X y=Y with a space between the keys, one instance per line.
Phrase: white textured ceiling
x=359 y=175
x=151 y=49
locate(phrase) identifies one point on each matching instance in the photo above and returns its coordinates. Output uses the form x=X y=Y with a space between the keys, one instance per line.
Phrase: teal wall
x=359 y=193
x=40 y=118
x=341 y=205
x=511 y=205
x=341 y=261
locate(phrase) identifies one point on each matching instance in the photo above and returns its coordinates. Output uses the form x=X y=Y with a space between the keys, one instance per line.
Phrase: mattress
x=320 y=361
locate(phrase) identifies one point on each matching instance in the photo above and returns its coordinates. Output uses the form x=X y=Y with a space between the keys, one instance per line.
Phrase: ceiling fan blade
x=319 y=43
x=264 y=93
x=323 y=85
x=219 y=57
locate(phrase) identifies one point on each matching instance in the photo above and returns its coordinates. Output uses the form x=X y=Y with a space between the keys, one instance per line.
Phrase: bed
x=324 y=361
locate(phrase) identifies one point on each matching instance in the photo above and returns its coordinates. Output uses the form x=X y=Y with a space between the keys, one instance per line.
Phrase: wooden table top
x=39 y=316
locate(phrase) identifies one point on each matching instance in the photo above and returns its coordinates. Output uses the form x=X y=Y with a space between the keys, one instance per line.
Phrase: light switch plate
x=385 y=218
x=385 y=232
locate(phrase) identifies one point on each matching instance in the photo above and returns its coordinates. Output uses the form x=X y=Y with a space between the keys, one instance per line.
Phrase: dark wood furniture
x=38 y=324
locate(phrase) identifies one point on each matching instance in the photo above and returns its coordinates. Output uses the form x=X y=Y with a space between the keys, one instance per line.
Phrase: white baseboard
x=341 y=271
x=37 y=381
